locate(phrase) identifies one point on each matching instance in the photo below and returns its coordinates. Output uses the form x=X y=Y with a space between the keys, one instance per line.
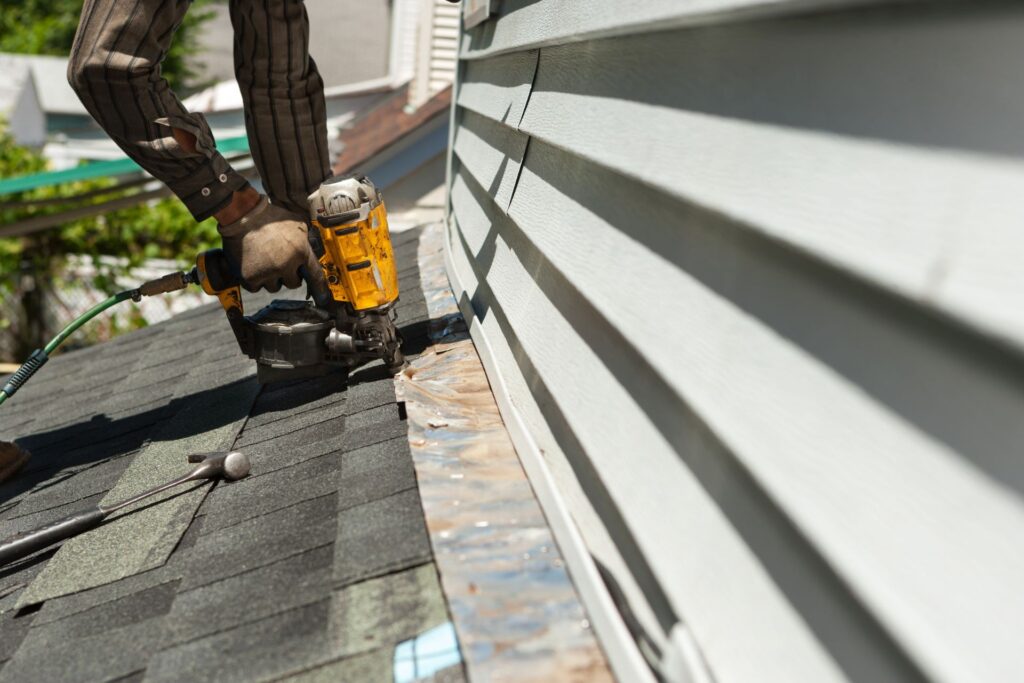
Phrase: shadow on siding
x=947 y=73
x=953 y=384
x=857 y=642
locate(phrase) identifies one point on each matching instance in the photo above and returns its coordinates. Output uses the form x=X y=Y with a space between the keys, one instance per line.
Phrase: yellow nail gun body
x=349 y=215
x=349 y=323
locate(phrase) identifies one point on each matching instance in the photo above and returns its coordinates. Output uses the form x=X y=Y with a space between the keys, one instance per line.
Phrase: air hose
x=167 y=283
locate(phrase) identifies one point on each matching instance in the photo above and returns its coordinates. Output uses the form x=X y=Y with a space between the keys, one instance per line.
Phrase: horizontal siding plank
x=819 y=445
x=862 y=187
x=727 y=588
x=499 y=88
x=439 y=61
x=523 y=24
x=755 y=283
x=492 y=153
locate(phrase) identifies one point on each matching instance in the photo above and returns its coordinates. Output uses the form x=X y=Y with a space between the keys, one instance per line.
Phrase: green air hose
x=86 y=317
x=161 y=285
x=40 y=356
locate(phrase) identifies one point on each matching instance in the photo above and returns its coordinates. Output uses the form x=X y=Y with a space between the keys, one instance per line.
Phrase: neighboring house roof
x=223 y=96
x=319 y=562
x=226 y=96
x=51 y=82
x=385 y=125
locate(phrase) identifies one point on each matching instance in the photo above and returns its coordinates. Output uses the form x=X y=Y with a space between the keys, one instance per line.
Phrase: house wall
x=20 y=112
x=349 y=39
x=746 y=276
x=25 y=120
x=437 y=49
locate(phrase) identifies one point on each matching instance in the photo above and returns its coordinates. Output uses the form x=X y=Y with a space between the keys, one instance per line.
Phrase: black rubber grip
x=339 y=219
x=28 y=542
x=27 y=369
x=220 y=271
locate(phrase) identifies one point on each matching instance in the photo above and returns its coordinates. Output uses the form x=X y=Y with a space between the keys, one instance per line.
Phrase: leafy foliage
x=157 y=229
x=39 y=27
x=47 y=27
x=38 y=263
x=31 y=266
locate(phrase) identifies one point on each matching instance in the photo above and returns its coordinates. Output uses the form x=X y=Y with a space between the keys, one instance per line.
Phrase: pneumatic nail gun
x=350 y=322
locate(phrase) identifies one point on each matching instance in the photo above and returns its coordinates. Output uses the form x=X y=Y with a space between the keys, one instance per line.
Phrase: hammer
x=230 y=466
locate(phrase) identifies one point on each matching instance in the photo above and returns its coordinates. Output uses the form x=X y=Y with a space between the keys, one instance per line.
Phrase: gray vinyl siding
x=749 y=275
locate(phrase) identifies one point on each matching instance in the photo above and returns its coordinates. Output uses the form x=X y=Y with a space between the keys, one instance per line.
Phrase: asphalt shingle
x=82 y=484
x=295 y=399
x=322 y=419
x=374 y=472
x=298 y=432
x=50 y=653
x=370 y=666
x=254 y=651
x=222 y=605
x=380 y=537
x=388 y=609
x=262 y=494
x=315 y=567
x=260 y=541
x=143 y=536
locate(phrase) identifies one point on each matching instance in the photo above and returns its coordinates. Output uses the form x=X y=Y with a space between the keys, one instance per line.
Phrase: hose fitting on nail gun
x=171 y=282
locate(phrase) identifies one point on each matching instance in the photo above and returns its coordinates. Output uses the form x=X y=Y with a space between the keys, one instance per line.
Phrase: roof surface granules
x=315 y=567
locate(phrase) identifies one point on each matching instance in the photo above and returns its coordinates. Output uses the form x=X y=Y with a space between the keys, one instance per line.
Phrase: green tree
x=31 y=267
x=47 y=27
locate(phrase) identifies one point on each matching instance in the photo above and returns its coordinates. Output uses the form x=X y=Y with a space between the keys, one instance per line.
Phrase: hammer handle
x=28 y=542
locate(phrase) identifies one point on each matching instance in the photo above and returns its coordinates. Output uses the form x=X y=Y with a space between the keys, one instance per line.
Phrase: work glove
x=269 y=247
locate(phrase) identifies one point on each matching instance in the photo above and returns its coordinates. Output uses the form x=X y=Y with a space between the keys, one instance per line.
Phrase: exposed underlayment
x=515 y=609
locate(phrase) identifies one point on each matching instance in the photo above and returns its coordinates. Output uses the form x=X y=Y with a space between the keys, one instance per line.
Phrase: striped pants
x=115 y=69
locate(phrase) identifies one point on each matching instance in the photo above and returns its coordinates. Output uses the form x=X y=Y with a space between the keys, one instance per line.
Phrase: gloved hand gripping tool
x=350 y=319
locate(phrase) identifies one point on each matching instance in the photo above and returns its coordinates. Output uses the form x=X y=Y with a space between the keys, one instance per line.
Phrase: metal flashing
x=624 y=657
x=513 y=604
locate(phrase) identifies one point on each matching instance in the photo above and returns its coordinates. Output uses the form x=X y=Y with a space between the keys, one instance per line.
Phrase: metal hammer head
x=229 y=465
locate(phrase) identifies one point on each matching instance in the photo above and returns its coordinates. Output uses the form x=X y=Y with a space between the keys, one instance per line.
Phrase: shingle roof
x=316 y=566
x=384 y=124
